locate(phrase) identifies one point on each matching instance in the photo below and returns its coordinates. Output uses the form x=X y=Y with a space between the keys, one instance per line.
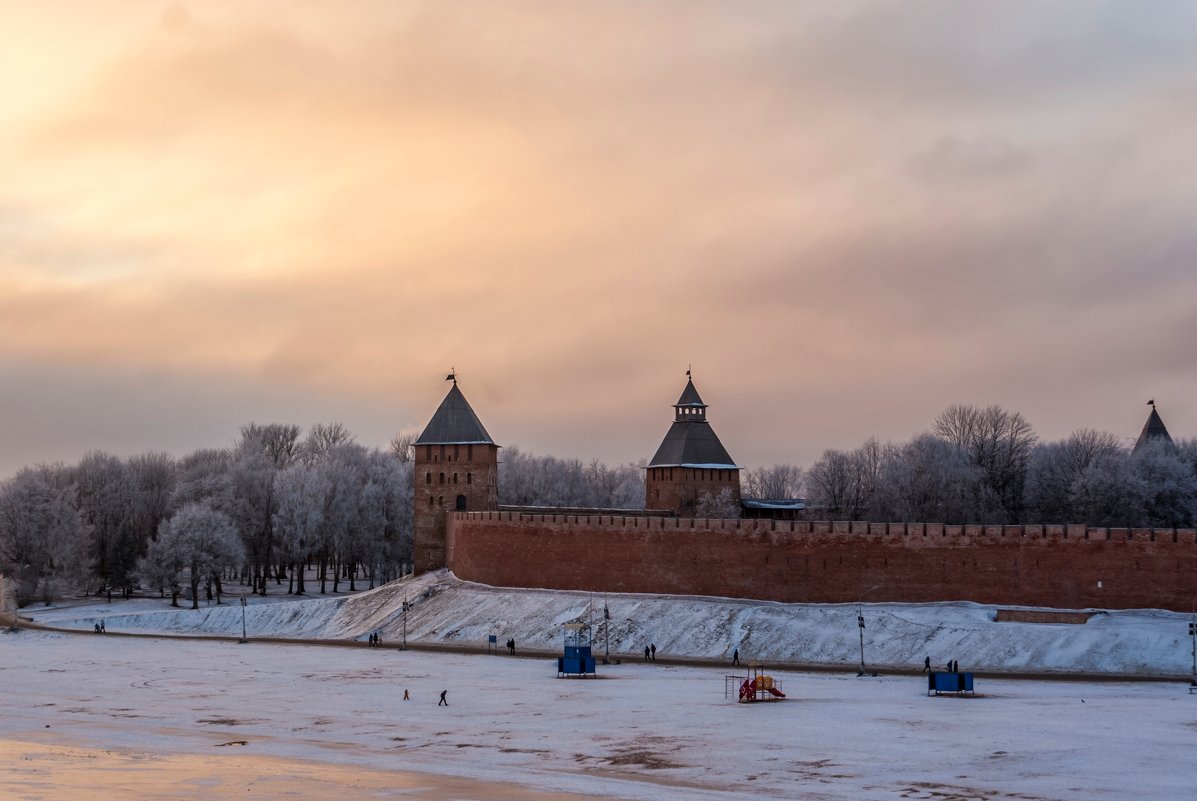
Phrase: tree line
x=261 y=512
x=987 y=465
x=280 y=503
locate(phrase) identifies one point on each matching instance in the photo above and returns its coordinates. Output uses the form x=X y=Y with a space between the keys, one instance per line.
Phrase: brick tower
x=691 y=461
x=456 y=469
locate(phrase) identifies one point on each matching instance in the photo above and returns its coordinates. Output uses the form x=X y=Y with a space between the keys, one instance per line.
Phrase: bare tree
x=778 y=481
x=322 y=440
x=842 y=483
x=278 y=442
x=997 y=441
x=402 y=446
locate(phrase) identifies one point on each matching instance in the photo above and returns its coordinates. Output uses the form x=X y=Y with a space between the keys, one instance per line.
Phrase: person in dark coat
x=654 y=650
x=927 y=665
x=736 y=657
x=646 y=653
x=443 y=702
x=949 y=667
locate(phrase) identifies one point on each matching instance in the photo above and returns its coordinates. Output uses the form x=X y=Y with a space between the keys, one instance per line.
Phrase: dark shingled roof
x=691 y=442
x=690 y=396
x=454 y=423
x=1153 y=429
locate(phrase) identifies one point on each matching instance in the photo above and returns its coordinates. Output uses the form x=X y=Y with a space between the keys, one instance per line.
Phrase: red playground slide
x=749 y=688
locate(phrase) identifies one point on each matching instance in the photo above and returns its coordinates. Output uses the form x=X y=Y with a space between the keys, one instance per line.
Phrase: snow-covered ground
x=639 y=731
x=444 y=610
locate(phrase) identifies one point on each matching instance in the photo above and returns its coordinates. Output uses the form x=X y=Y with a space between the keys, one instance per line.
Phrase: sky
x=844 y=217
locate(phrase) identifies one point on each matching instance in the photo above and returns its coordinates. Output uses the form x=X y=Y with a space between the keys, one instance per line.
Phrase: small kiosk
x=576 y=659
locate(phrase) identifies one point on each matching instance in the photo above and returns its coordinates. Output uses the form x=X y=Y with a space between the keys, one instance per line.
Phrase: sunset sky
x=846 y=216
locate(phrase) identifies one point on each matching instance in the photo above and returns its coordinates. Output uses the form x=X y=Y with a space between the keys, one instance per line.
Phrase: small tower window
x=454 y=478
x=461 y=503
x=442 y=478
x=428 y=478
x=469 y=478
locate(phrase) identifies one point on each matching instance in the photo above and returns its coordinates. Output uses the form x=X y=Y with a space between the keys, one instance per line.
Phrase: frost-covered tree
x=1109 y=492
x=43 y=538
x=1055 y=468
x=300 y=490
x=997 y=441
x=1170 y=485
x=928 y=479
x=719 y=505
x=526 y=479
x=199 y=541
x=105 y=498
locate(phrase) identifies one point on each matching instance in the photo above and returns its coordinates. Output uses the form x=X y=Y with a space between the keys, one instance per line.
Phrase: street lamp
x=860 y=623
x=405 y=607
x=606 y=633
x=1193 y=637
x=243 y=639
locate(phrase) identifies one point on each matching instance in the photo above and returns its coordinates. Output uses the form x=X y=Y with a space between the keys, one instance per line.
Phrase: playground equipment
x=576 y=659
x=756 y=686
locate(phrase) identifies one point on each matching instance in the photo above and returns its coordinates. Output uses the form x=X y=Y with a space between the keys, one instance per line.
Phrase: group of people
x=951 y=667
x=375 y=639
x=100 y=629
x=650 y=653
x=511 y=647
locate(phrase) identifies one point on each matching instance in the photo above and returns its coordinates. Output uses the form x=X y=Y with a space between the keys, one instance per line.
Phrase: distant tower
x=1154 y=430
x=690 y=462
x=456 y=469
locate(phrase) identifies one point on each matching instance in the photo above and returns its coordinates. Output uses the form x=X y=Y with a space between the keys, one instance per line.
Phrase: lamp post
x=405 y=606
x=860 y=623
x=1193 y=637
x=244 y=639
x=606 y=633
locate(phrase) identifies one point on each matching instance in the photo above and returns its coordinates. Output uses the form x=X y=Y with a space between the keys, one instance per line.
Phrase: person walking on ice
x=406 y=697
x=443 y=702
x=736 y=657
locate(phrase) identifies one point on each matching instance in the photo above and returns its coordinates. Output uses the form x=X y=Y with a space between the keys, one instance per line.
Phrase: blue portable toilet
x=576 y=659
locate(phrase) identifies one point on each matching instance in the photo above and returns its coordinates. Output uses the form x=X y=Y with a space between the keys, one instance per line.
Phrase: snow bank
x=444 y=610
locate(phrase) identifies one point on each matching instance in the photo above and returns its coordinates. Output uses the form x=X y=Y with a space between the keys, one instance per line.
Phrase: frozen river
x=639 y=731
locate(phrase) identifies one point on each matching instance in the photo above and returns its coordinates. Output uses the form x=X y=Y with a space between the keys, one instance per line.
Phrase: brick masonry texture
x=829 y=562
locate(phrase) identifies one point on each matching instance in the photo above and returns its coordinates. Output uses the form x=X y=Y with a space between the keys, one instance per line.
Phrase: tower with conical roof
x=691 y=462
x=1154 y=430
x=456 y=469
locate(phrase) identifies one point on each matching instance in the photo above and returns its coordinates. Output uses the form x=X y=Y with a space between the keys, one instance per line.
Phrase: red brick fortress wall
x=1068 y=567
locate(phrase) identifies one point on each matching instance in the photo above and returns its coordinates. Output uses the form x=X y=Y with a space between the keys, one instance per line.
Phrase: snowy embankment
x=444 y=610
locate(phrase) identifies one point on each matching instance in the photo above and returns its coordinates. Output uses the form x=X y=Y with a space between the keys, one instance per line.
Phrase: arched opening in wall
x=469 y=453
x=442 y=478
x=431 y=502
x=428 y=478
x=469 y=478
x=461 y=503
x=454 y=478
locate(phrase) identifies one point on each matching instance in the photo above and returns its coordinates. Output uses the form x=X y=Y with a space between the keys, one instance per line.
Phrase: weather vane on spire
x=688 y=368
x=1151 y=403
x=452 y=375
